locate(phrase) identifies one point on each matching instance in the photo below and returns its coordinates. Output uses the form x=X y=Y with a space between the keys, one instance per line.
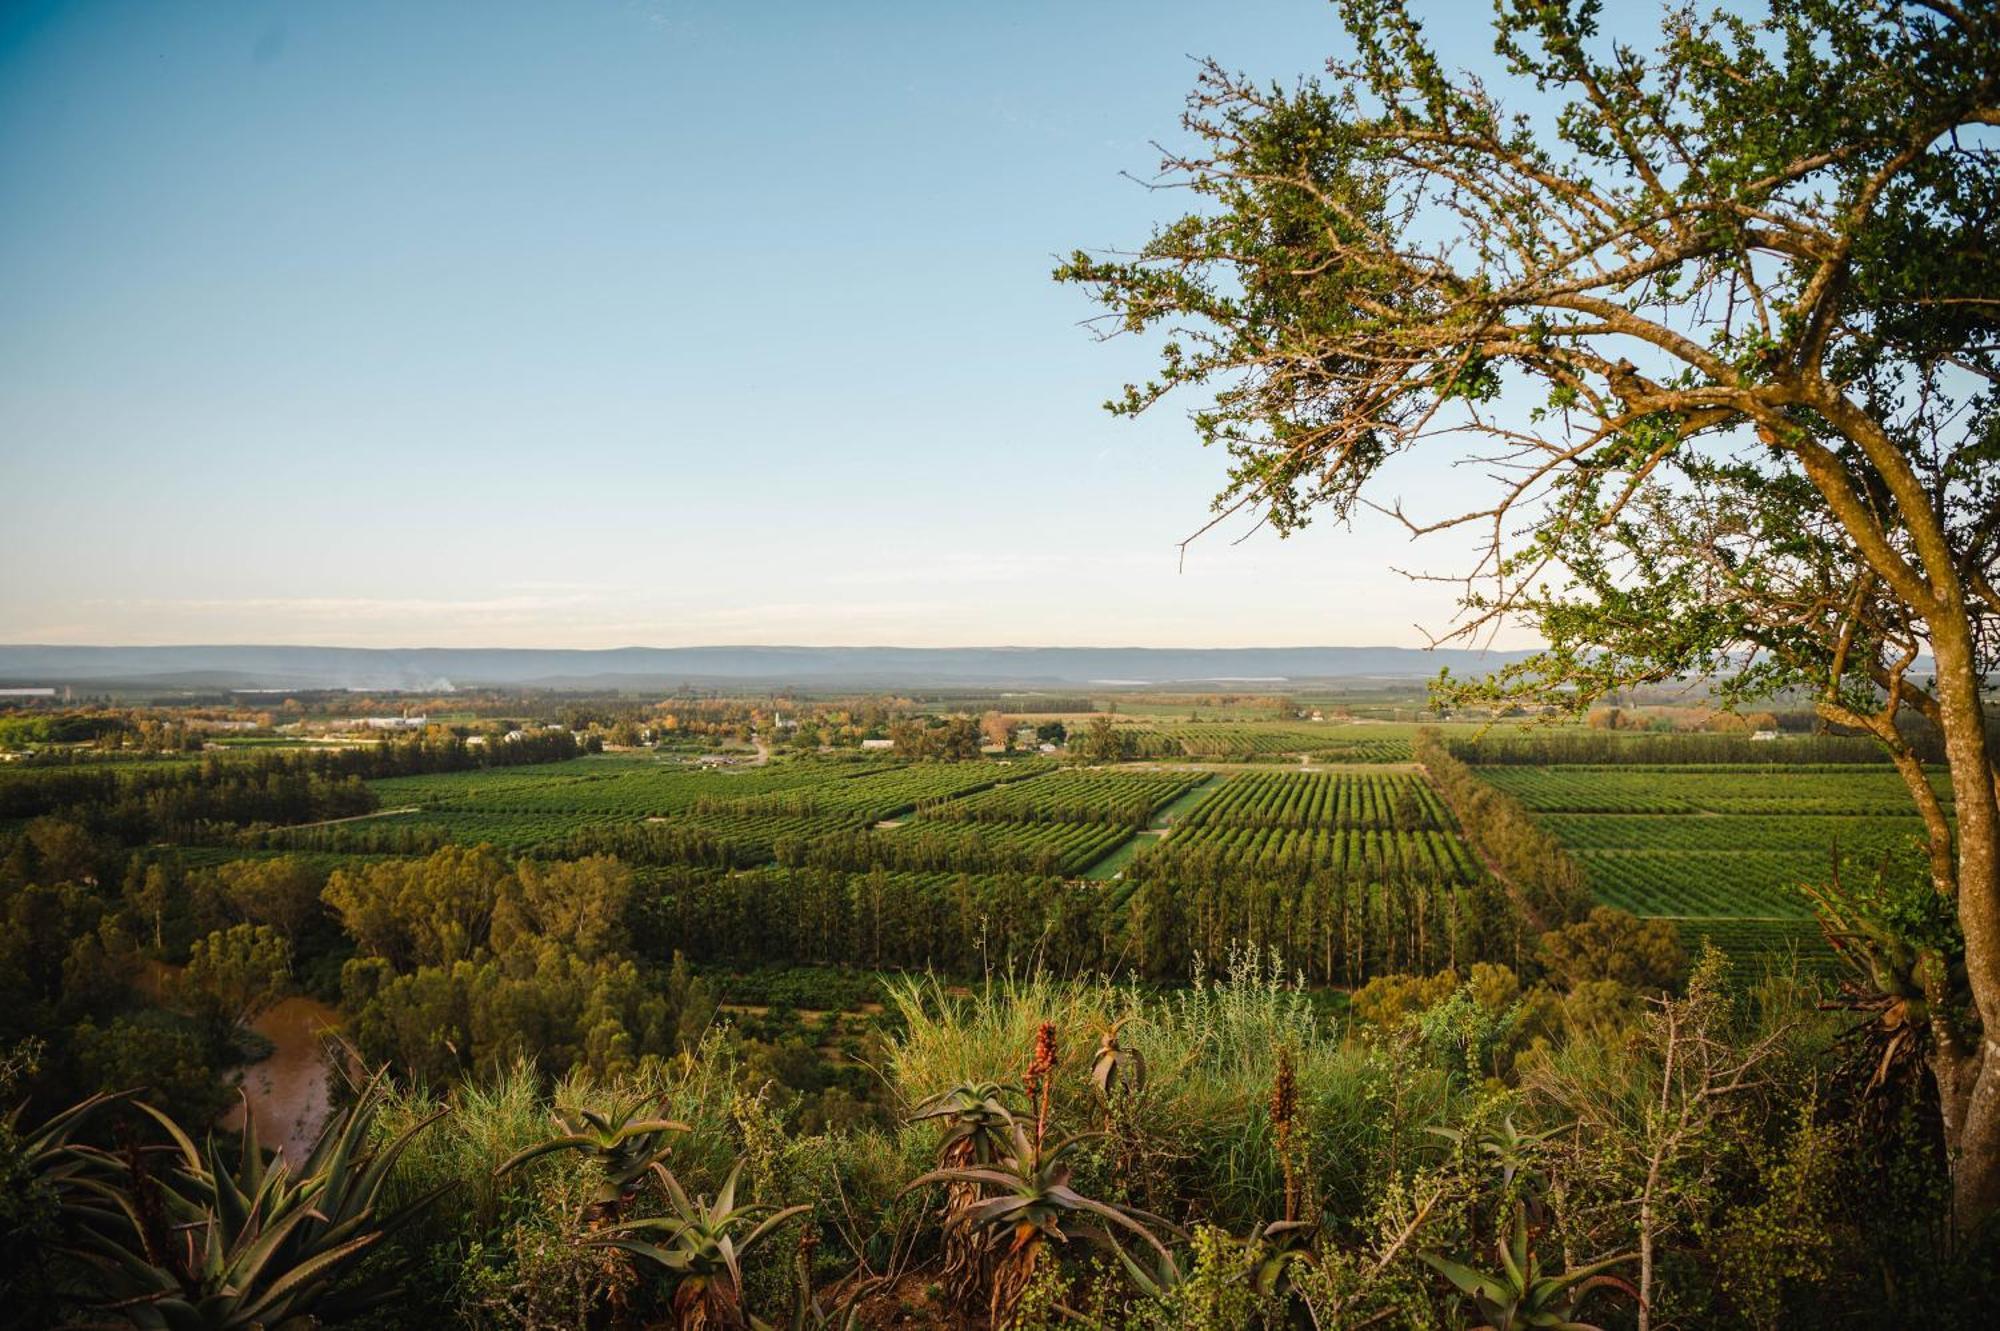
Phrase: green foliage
x=1520 y=1294
x=1787 y=1238
x=1532 y=862
x=39 y=1168
x=468 y=961
x=1102 y=741
x=1395 y=1152
x=699 y=1247
x=173 y=1063
x=233 y=974
x=1467 y=1037
x=1214 y=1294
x=431 y=912
x=622 y=1142
x=190 y=1240
x=1612 y=945
x=282 y=892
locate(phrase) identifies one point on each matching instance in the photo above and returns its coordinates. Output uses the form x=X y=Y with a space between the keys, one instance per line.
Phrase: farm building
x=384 y=723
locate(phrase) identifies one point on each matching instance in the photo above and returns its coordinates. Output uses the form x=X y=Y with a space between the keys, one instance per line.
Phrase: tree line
x=1525 y=856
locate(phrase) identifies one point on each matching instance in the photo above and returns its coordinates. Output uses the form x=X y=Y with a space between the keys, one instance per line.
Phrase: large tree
x=1718 y=319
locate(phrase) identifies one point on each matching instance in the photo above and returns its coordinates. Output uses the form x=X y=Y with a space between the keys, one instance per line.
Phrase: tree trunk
x=1968 y=1078
x=1971 y=1091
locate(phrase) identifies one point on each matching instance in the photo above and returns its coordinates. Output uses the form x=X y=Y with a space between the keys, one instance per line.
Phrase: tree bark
x=1968 y=1077
x=1974 y=1084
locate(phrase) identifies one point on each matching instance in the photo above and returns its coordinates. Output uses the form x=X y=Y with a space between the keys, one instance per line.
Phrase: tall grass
x=1193 y=1140
x=1212 y=1052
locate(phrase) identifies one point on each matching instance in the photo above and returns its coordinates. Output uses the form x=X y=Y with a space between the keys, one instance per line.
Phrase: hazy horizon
x=866 y=667
x=590 y=325
x=1021 y=645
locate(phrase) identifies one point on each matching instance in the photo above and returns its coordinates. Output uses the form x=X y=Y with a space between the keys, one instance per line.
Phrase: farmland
x=1367 y=862
x=1065 y=822
x=1024 y=814
x=1243 y=743
x=1346 y=875
x=608 y=786
x=1722 y=849
x=526 y=808
x=1214 y=807
x=1086 y=796
x=1360 y=825
x=1769 y=789
x=1269 y=741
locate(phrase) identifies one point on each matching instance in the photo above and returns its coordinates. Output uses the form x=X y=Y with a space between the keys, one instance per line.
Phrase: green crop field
x=874 y=797
x=1320 y=800
x=1339 y=741
x=1254 y=741
x=1359 y=824
x=522 y=808
x=1082 y=796
x=1722 y=849
x=1068 y=820
x=610 y=786
x=1069 y=848
x=1022 y=812
x=1353 y=852
x=1851 y=790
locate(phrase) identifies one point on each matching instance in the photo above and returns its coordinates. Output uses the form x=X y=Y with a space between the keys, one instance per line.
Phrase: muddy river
x=289 y=1091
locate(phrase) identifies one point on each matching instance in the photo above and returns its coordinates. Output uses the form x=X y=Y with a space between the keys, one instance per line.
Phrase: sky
x=592 y=324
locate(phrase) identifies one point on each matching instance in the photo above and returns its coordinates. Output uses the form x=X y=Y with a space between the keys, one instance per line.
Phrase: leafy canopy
x=1717 y=318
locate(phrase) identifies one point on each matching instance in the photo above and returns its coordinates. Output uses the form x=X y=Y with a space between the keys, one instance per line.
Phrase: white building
x=392 y=722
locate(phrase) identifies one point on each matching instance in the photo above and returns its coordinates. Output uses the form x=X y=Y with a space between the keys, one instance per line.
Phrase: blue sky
x=586 y=324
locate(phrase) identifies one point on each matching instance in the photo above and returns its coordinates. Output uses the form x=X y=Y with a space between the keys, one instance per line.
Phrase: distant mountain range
x=432 y=669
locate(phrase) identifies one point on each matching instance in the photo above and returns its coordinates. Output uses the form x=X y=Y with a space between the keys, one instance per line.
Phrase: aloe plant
x=1267 y=1255
x=1115 y=1068
x=1902 y=963
x=1506 y=1146
x=39 y=1199
x=700 y=1247
x=976 y=1119
x=623 y=1144
x=1520 y=1294
x=193 y=1241
x=45 y=1152
x=1274 y=1249
x=1029 y=1199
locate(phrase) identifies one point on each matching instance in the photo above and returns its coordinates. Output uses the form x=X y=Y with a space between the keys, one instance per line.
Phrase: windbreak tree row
x=1525 y=855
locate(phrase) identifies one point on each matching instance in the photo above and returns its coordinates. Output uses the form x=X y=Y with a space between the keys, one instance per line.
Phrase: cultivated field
x=1723 y=849
x=1272 y=741
x=1357 y=824
x=750 y=812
